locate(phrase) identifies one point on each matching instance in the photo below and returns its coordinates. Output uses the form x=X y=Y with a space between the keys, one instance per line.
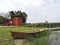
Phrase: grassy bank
x=5 y=35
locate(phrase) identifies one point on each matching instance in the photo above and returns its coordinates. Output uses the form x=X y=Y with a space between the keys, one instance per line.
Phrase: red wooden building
x=15 y=21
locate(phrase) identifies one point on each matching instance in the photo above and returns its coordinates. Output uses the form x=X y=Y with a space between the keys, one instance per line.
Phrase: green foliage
x=39 y=35
x=43 y=25
x=39 y=39
x=3 y=20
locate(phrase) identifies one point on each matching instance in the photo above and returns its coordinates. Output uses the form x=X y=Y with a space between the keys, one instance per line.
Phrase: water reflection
x=55 y=38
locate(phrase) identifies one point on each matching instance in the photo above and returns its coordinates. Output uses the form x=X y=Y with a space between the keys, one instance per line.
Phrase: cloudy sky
x=37 y=10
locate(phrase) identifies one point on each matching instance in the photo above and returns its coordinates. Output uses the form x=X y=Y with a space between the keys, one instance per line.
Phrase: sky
x=37 y=10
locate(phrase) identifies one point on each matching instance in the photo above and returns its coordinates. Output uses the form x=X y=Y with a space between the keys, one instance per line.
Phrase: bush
x=39 y=39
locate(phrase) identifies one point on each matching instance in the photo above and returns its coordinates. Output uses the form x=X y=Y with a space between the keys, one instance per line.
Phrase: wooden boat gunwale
x=20 y=35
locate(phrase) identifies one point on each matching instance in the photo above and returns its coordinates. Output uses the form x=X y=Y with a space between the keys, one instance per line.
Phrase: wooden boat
x=22 y=34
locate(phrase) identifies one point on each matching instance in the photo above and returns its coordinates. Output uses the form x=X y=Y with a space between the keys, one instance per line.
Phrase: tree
x=3 y=20
x=24 y=17
x=19 y=13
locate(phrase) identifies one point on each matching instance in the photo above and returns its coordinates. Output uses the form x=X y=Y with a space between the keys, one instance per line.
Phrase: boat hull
x=22 y=35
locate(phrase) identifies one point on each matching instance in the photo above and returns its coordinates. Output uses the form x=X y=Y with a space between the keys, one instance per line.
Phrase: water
x=55 y=38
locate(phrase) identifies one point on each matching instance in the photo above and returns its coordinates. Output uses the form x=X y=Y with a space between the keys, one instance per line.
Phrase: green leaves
x=41 y=38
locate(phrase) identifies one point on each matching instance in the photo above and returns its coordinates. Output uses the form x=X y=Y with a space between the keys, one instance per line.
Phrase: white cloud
x=37 y=10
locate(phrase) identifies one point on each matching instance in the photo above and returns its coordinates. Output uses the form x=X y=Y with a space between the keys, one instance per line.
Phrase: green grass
x=5 y=35
x=39 y=39
x=6 y=38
